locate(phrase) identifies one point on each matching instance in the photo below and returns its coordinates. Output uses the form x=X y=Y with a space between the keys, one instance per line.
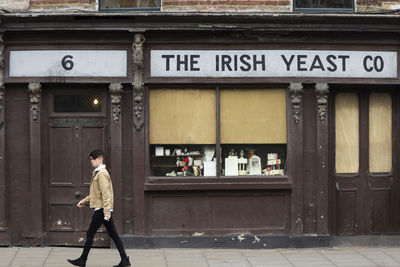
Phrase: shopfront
x=215 y=136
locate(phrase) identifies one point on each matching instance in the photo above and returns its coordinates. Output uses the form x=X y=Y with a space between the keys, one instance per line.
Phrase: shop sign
x=68 y=63
x=273 y=63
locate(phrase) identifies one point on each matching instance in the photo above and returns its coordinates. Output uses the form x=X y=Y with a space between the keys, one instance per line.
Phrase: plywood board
x=347 y=152
x=182 y=116
x=380 y=132
x=253 y=116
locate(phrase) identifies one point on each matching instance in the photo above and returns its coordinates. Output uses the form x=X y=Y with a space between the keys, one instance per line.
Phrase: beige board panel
x=347 y=153
x=380 y=132
x=182 y=116
x=253 y=116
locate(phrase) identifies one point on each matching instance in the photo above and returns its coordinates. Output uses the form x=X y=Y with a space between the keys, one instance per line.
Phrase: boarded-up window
x=253 y=116
x=182 y=116
x=380 y=132
x=347 y=133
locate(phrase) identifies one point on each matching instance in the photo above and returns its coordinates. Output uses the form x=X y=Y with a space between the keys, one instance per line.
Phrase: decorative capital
x=321 y=92
x=296 y=92
x=116 y=96
x=34 y=96
x=138 y=85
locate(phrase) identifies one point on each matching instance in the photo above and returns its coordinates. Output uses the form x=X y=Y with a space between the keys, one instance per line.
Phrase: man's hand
x=107 y=217
x=79 y=205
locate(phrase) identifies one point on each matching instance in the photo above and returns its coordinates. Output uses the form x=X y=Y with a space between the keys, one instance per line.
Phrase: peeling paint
x=185 y=241
x=256 y=240
x=241 y=237
x=80 y=240
x=198 y=234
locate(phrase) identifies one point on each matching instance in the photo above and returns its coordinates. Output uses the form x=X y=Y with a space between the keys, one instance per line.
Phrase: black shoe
x=78 y=262
x=124 y=263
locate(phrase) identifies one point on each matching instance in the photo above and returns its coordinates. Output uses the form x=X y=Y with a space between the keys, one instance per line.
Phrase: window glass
x=77 y=103
x=183 y=132
x=124 y=4
x=380 y=132
x=346 y=133
x=327 y=4
x=253 y=131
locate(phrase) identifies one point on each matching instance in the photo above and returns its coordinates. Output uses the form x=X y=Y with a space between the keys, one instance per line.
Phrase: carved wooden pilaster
x=321 y=92
x=295 y=92
x=116 y=96
x=34 y=232
x=116 y=149
x=34 y=96
x=1 y=73
x=3 y=204
x=139 y=138
x=138 y=86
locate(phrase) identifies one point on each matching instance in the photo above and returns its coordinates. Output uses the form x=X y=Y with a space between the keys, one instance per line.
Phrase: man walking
x=101 y=199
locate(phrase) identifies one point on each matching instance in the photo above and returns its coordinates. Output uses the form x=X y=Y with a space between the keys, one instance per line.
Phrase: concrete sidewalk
x=343 y=256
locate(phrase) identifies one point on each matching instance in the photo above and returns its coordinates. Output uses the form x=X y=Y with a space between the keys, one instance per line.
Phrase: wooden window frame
x=216 y=182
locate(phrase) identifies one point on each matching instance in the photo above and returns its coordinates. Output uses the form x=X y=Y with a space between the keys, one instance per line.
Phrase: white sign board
x=273 y=63
x=68 y=63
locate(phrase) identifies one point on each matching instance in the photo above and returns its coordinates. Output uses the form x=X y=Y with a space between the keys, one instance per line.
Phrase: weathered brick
x=14 y=4
x=371 y=5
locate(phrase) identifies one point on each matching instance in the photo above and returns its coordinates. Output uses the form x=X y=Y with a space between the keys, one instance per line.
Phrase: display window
x=217 y=132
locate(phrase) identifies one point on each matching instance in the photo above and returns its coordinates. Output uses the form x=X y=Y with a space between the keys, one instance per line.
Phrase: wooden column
x=116 y=151
x=295 y=156
x=3 y=205
x=322 y=92
x=35 y=234
x=139 y=137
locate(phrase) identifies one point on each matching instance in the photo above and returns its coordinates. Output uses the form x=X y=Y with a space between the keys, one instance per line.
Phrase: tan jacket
x=101 y=192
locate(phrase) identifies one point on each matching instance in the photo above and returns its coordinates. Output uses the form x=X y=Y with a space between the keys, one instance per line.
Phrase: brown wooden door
x=71 y=135
x=366 y=195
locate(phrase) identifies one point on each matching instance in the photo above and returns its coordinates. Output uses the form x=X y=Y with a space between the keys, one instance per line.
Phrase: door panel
x=347 y=210
x=62 y=151
x=364 y=200
x=91 y=136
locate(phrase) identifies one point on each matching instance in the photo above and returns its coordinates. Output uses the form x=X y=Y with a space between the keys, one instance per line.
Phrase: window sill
x=218 y=183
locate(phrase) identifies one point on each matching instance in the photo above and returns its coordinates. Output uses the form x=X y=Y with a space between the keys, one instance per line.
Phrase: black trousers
x=95 y=223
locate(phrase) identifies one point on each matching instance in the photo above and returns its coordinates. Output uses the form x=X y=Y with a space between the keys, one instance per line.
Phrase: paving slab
x=321 y=257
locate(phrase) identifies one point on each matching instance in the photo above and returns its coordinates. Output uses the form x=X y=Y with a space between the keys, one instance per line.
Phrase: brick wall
x=376 y=5
x=63 y=5
x=14 y=4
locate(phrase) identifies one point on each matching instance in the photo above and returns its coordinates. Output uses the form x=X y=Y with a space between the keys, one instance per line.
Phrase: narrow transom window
x=77 y=103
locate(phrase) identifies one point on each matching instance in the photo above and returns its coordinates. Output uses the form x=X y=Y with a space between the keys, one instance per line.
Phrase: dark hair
x=96 y=153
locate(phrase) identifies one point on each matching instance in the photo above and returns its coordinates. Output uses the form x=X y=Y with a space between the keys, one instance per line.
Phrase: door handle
x=77 y=194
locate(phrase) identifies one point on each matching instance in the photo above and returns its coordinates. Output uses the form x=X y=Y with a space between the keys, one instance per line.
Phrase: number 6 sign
x=67 y=63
